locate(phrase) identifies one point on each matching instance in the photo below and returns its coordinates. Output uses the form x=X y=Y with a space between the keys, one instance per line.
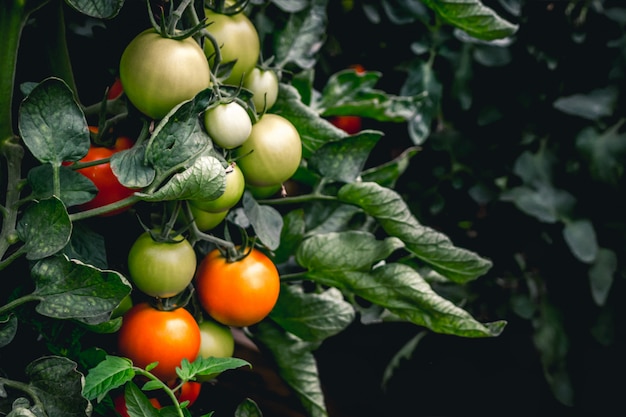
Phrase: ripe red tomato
x=158 y=73
x=150 y=335
x=272 y=153
x=238 y=293
x=189 y=391
x=349 y=124
x=115 y=90
x=110 y=190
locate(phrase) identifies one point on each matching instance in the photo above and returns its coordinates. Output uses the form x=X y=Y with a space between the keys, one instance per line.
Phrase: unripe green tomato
x=264 y=86
x=206 y=220
x=216 y=340
x=159 y=73
x=228 y=124
x=235 y=186
x=238 y=40
x=263 y=192
x=272 y=153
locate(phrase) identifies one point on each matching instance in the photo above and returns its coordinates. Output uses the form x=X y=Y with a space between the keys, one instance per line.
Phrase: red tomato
x=115 y=90
x=190 y=391
x=349 y=124
x=150 y=335
x=238 y=293
x=109 y=188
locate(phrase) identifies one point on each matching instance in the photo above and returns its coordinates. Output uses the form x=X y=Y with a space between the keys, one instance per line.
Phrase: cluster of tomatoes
x=235 y=286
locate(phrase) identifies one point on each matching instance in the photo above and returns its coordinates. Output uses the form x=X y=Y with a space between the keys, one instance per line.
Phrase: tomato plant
x=345 y=247
x=161 y=268
x=150 y=335
x=263 y=83
x=238 y=42
x=157 y=72
x=272 y=152
x=240 y=292
x=110 y=190
x=228 y=124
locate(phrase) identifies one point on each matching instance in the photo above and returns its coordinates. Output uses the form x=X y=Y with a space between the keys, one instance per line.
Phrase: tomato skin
x=272 y=152
x=115 y=90
x=235 y=186
x=149 y=335
x=349 y=124
x=189 y=391
x=206 y=220
x=239 y=293
x=228 y=124
x=161 y=269
x=217 y=341
x=238 y=40
x=158 y=73
x=264 y=85
x=110 y=190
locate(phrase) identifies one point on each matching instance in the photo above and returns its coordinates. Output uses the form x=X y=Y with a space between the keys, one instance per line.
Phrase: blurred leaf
x=8 y=329
x=248 y=408
x=545 y=203
x=601 y=275
x=52 y=125
x=593 y=106
x=604 y=151
x=473 y=17
x=45 y=228
x=291 y=235
x=580 y=236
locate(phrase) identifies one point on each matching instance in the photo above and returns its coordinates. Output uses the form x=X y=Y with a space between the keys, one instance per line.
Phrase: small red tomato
x=189 y=391
x=349 y=124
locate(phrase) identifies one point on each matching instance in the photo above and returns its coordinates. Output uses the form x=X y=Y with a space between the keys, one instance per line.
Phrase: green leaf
x=205 y=179
x=604 y=152
x=45 y=228
x=209 y=366
x=602 y=275
x=299 y=41
x=350 y=250
x=434 y=248
x=130 y=168
x=324 y=217
x=266 y=221
x=75 y=187
x=100 y=9
x=58 y=385
x=179 y=137
x=69 y=289
x=8 y=329
x=388 y=173
x=344 y=160
x=472 y=17
x=86 y=246
x=314 y=130
x=111 y=373
x=291 y=235
x=403 y=291
x=593 y=106
x=137 y=403
x=248 y=408
x=296 y=365
x=580 y=237
x=312 y=317
x=545 y=203
x=52 y=125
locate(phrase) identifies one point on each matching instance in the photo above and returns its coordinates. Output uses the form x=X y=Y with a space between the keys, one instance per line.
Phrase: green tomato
x=238 y=40
x=216 y=340
x=235 y=186
x=263 y=192
x=161 y=269
x=123 y=307
x=206 y=220
x=158 y=73
x=272 y=153
x=264 y=86
x=228 y=124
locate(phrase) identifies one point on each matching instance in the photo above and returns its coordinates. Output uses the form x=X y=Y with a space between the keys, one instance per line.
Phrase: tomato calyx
x=220 y=6
x=175 y=302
